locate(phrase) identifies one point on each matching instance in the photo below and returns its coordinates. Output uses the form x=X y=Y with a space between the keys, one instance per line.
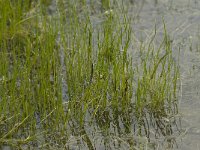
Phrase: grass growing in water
x=103 y=85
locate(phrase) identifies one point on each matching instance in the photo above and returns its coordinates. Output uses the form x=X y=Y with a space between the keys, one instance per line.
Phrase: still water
x=182 y=19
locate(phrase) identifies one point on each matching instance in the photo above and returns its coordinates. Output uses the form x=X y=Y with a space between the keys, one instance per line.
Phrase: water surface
x=182 y=19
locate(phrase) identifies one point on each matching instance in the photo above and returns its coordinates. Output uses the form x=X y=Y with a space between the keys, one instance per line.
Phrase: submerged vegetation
x=69 y=79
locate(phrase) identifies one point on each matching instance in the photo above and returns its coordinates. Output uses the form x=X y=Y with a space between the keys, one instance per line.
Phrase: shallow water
x=182 y=19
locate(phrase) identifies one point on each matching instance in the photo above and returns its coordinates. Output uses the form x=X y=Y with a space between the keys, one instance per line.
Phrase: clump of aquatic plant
x=99 y=71
x=60 y=75
x=100 y=76
x=155 y=97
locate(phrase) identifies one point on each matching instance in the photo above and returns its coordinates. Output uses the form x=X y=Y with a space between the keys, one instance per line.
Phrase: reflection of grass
x=103 y=86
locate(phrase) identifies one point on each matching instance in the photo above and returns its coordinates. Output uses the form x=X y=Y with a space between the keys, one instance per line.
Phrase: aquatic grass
x=100 y=70
x=42 y=55
x=30 y=86
x=105 y=4
x=109 y=75
x=156 y=87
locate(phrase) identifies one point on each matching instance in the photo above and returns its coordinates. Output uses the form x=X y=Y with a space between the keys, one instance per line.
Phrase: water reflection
x=115 y=129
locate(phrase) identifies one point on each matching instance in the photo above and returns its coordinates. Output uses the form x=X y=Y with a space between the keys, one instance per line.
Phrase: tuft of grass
x=155 y=98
